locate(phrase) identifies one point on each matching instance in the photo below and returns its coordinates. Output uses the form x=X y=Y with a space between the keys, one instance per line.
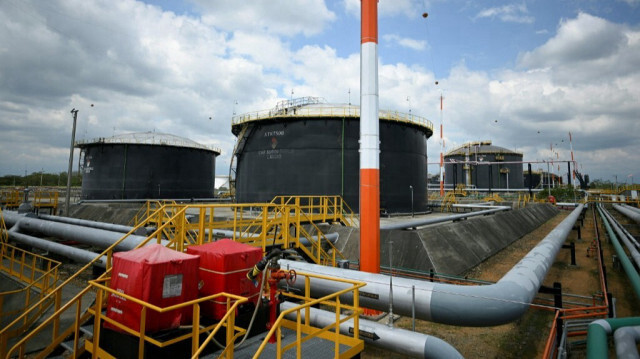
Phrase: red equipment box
x=223 y=268
x=156 y=275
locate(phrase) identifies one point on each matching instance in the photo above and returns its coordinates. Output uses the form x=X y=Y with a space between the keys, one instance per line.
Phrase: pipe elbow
x=436 y=348
x=601 y=323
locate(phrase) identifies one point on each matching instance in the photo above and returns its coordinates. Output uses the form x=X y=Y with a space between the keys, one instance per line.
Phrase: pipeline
x=331 y=237
x=96 y=237
x=597 y=346
x=478 y=306
x=76 y=254
x=632 y=214
x=634 y=278
x=623 y=236
x=636 y=209
x=401 y=341
x=424 y=222
x=626 y=339
x=93 y=224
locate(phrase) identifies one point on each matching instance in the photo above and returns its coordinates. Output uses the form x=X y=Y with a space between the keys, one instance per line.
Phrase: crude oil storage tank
x=146 y=165
x=308 y=147
x=484 y=166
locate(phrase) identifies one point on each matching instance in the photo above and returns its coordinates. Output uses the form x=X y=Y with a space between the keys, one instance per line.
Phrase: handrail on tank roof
x=327 y=110
x=471 y=144
x=149 y=138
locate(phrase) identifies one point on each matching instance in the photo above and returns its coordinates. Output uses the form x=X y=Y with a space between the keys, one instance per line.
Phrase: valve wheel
x=291 y=277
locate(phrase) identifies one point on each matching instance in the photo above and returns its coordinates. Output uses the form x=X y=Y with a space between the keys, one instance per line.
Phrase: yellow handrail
x=14 y=328
x=10 y=198
x=38 y=280
x=273 y=225
x=172 y=225
x=330 y=300
x=320 y=208
x=227 y=320
x=45 y=199
x=4 y=235
x=328 y=110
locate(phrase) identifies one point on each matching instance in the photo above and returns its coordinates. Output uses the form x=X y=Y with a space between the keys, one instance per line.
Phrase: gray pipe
x=93 y=224
x=626 y=339
x=331 y=237
x=636 y=209
x=77 y=254
x=485 y=205
x=424 y=222
x=92 y=236
x=628 y=212
x=623 y=236
x=488 y=305
x=401 y=341
x=449 y=187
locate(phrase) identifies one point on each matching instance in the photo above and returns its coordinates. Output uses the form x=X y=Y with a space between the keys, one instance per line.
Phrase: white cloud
x=631 y=2
x=508 y=13
x=282 y=17
x=588 y=49
x=146 y=69
x=409 y=43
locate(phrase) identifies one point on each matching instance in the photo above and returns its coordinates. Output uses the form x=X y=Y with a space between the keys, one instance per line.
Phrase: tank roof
x=148 y=138
x=484 y=147
x=318 y=107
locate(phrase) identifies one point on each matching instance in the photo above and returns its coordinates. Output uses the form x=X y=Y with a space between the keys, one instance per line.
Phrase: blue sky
x=507 y=70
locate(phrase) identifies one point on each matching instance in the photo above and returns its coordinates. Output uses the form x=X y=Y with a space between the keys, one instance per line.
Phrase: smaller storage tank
x=146 y=165
x=482 y=165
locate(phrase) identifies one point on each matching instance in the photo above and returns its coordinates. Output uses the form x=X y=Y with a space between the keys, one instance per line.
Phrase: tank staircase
x=76 y=325
x=242 y=136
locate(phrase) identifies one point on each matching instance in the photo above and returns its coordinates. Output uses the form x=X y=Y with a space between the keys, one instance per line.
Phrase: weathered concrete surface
x=451 y=248
x=118 y=213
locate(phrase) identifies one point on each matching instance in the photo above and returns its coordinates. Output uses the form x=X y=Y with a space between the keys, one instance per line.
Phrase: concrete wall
x=451 y=248
x=117 y=213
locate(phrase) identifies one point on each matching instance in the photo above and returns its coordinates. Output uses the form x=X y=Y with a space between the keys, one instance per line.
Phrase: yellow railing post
x=230 y=330
x=143 y=324
x=76 y=328
x=202 y=217
x=96 y=324
x=56 y=321
x=285 y=227
x=264 y=228
x=195 y=338
x=298 y=335
x=325 y=208
x=235 y=221
x=356 y=317
x=337 y=343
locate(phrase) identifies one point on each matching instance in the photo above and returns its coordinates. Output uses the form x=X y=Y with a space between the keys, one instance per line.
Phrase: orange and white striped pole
x=369 y=140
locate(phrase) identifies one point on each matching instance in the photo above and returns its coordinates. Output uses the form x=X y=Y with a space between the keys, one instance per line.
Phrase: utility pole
x=74 y=112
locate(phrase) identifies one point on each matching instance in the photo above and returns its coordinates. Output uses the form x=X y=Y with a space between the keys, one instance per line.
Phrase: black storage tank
x=484 y=166
x=308 y=147
x=146 y=165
